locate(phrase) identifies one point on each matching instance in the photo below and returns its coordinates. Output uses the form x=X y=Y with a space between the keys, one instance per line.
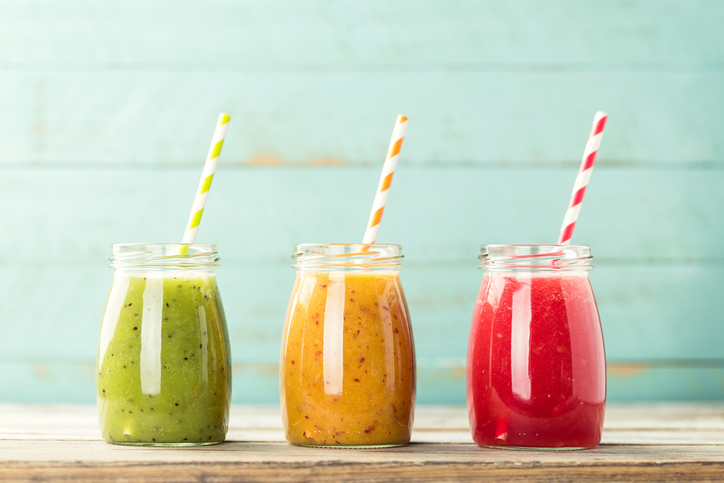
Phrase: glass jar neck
x=196 y=257
x=535 y=258
x=347 y=257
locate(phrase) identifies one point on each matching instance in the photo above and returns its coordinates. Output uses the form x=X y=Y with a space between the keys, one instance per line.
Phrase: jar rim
x=347 y=256
x=211 y=246
x=342 y=245
x=164 y=256
x=533 y=245
x=514 y=257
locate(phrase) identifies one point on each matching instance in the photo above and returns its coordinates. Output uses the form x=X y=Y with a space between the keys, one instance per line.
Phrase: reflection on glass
x=333 y=347
x=151 y=337
x=520 y=341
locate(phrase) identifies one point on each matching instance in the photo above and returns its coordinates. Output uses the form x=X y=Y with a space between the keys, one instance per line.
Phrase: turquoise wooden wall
x=107 y=108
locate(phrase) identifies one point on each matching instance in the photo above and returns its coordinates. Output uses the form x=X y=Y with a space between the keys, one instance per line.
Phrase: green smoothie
x=164 y=373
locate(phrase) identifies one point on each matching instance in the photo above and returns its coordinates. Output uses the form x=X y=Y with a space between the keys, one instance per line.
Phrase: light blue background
x=107 y=109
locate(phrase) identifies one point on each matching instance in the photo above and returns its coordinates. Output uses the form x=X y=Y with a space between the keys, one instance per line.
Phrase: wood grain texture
x=148 y=118
x=64 y=215
x=58 y=259
x=630 y=423
x=61 y=442
x=274 y=34
x=106 y=112
x=697 y=469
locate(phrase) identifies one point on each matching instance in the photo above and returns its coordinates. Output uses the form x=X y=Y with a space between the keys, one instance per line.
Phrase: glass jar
x=164 y=366
x=536 y=369
x=347 y=373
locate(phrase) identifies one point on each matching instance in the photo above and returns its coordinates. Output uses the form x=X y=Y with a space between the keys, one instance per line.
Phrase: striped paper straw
x=584 y=176
x=383 y=189
x=207 y=175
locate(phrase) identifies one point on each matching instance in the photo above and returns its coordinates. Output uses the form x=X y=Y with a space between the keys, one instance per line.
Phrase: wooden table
x=642 y=442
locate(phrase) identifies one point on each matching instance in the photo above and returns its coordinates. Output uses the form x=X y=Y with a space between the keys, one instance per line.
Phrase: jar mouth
x=164 y=256
x=535 y=257
x=347 y=256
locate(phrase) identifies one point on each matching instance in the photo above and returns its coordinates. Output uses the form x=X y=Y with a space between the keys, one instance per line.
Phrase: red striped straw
x=383 y=189
x=584 y=176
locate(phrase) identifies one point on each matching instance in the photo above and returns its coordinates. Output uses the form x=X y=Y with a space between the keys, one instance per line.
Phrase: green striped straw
x=207 y=175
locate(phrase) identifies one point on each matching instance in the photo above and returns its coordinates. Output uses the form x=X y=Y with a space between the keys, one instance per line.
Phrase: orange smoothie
x=348 y=362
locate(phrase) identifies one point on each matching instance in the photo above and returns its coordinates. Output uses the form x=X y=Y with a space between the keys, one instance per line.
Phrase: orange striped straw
x=383 y=189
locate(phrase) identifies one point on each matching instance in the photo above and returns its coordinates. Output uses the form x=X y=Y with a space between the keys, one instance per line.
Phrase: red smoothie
x=536 y=369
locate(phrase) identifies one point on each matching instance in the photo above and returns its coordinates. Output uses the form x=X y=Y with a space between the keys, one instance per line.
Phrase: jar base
x=536 y=448
x=352 y=446
x=164 y=445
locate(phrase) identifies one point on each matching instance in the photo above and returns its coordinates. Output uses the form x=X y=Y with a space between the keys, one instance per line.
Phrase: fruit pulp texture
x=164 y=373
x=348 y=362
x=536 y=371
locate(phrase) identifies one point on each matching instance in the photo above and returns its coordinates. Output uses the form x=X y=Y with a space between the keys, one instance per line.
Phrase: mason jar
x=536 y=368
x=164 y=366
x=347 y=373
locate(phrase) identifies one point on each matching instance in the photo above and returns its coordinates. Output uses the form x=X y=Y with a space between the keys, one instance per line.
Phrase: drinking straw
x=207 y=175
x=388 y=170
x=584 y=176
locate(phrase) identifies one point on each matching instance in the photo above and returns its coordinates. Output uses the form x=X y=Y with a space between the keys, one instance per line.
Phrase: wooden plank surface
x=436 y=214
x=656 y=423
x=640 y=285
x=312 y=118
x=642 y=442
x=54 y=260
x=376 y=33
x=105 y=119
